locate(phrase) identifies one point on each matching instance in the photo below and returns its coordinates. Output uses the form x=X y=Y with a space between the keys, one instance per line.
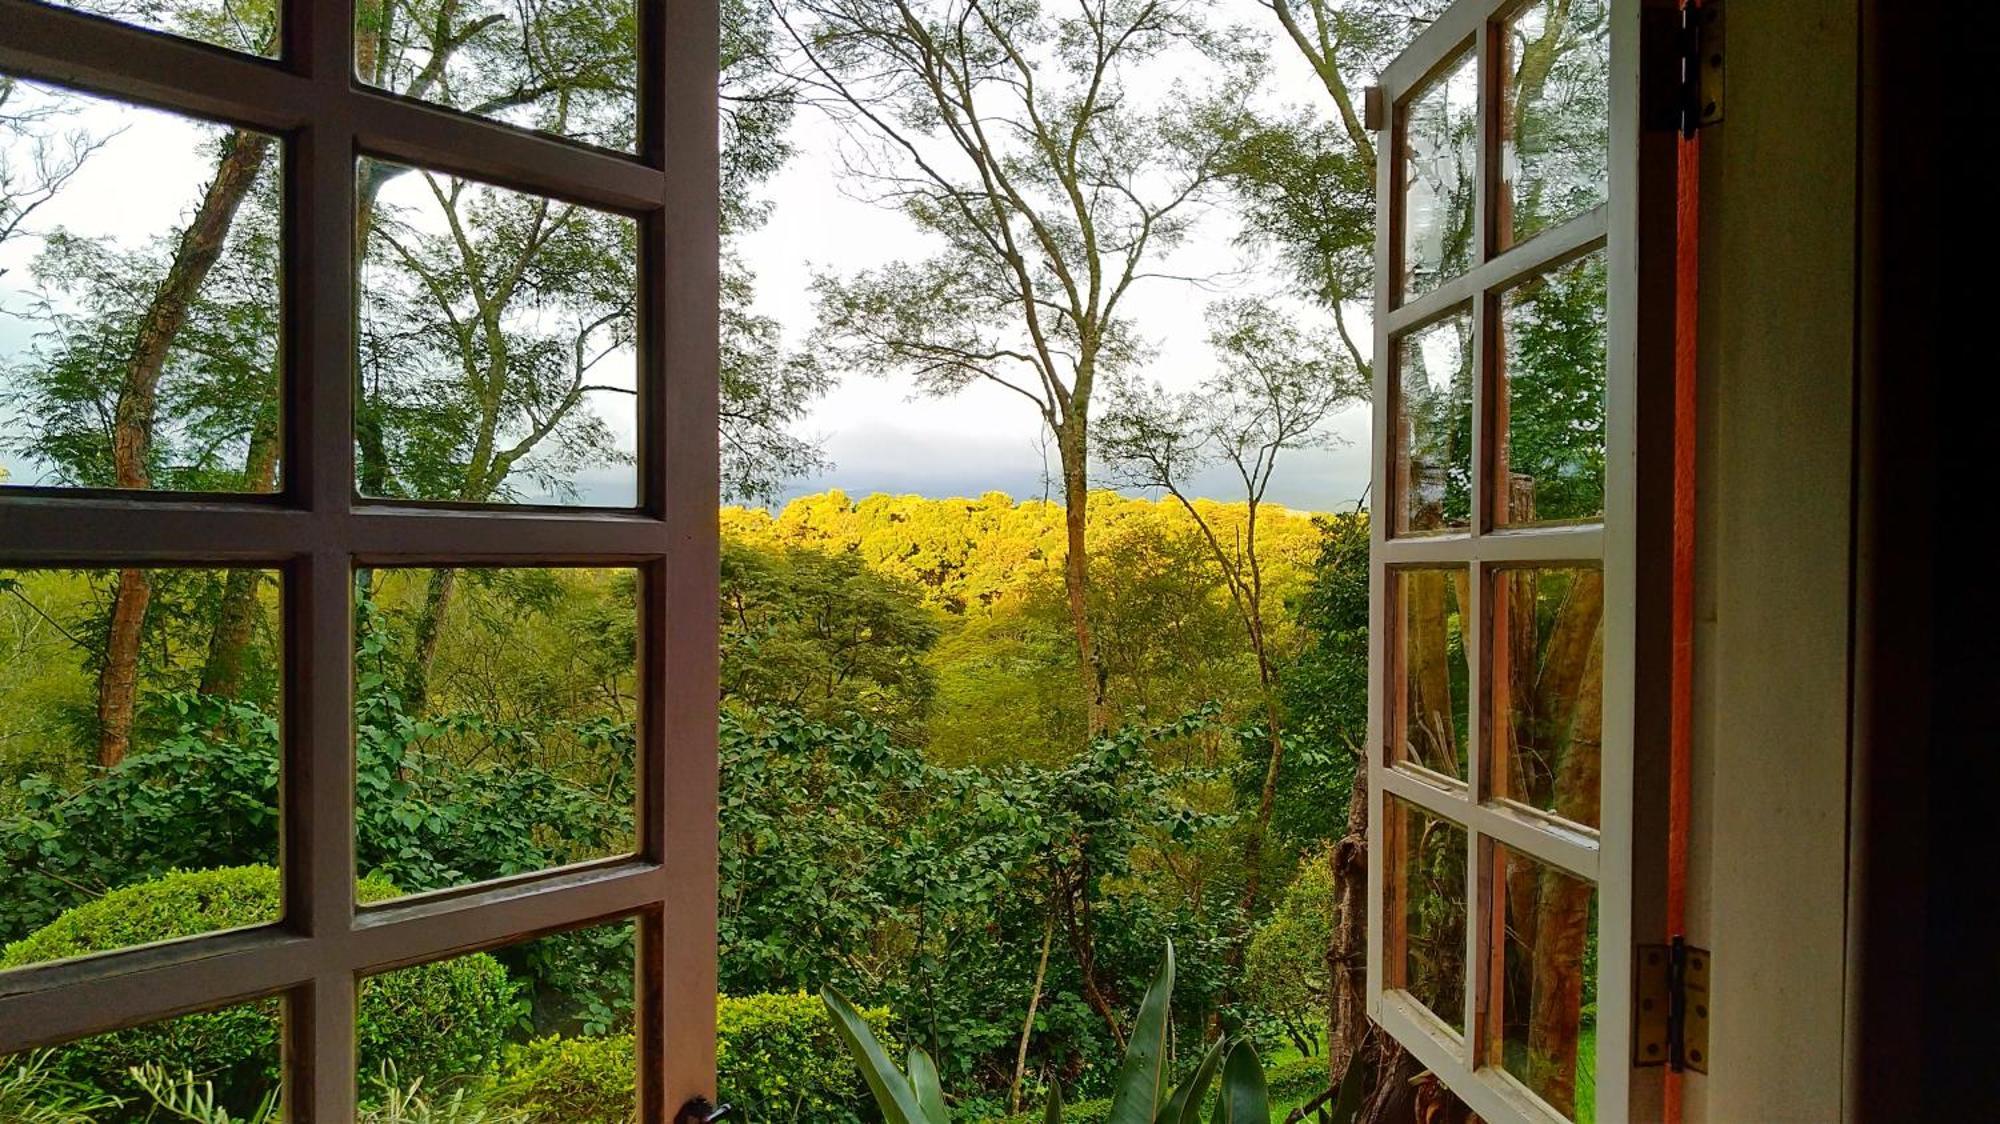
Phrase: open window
x=330 y=119
x=1504 y=580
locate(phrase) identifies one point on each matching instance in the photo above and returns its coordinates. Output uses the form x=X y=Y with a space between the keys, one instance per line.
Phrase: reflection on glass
x=1427 y=909
x=497 y=361
x=1433 y=470
x=567 y=67
x=1429 y=723
x=139 y=334
x=225 y=1059
x=494 y=713
x=1548 y=689
x=250 y=26
x=1440 y=170
x=1555 y=154
x=1547 y=1033
x=1550 y=405
x=535 y=1031
x=139 y=731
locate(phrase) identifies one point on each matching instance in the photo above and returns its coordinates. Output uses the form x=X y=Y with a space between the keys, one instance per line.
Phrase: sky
x=880 y=438
x=875 y=434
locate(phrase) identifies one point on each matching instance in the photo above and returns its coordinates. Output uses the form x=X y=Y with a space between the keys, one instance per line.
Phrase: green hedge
x=1093 y=1111
x=433 y=1021
x=571 y=1080
x=1296 y=1079
x=777 y=1059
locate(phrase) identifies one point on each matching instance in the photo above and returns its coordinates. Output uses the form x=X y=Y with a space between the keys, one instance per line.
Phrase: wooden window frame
x=316 y=530
x=1623 y=858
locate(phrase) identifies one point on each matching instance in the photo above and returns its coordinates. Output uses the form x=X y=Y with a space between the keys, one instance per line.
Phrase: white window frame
x=1628 y=879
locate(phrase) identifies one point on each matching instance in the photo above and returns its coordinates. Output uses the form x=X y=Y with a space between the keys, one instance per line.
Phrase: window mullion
x=320 y=1066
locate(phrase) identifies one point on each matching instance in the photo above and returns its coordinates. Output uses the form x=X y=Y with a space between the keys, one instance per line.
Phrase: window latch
x=701 y=1111
x=1670 y=1006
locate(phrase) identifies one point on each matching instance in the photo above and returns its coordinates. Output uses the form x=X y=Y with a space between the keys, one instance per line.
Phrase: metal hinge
x=1683 y=88
x=1701 y=71
x=1670 y=1008
x=1374 y=117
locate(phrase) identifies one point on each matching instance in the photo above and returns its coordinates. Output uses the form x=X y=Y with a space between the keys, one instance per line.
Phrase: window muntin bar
x=1494 y=541
x=315 y=533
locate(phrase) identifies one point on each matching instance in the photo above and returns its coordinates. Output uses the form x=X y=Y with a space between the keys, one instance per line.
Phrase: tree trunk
x=1347 y=946
x=1267 y=801
x=430 y=626
x=1072 y=890
x=1071 y=446
x=118 y=679
x=201 y=244
x=236 y=620
x=1562 y=909
x=1028 y=1024
x=1431 y=734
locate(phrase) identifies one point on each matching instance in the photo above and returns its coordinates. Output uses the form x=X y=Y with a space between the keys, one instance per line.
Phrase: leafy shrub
x=571 y=1081
x=1093 y=1111
x=431 y=1022
x=1297 y=1079
x=1285 y=972
x=778 y=1058
x=30 y=1093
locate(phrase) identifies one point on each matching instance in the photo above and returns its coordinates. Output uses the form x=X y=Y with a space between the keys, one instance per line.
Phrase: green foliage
x=1325 y=688
x=206 y=796
x=824 y=635
x=32 y=1092
x=778 y=1058
x=571 y=1080
x=1284 y=970
x=434 y=1021
x=184 y=1096
x=1143 y=1096
x=219 y=376
x=848 y=858
x=1556 y=331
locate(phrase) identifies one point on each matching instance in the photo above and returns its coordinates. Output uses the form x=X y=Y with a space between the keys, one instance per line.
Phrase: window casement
x=320 y=524
x=1504 y=579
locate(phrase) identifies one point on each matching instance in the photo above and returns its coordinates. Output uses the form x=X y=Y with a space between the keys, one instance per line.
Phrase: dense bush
x=571 y=1081
x=778 y=1058
x=433 y=1021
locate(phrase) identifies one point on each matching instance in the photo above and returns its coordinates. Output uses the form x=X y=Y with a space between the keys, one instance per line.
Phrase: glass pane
x=1555 y=154
x=568 y=67
x=241 y=25
x=1440 y=175
x=497 y=361
x=1433 y=467
x=139 y=335
x=534 y=1031
x=1547 y=1035
x=1550 y=406
x=494 y=717
x=1548 y=689
x=1427 y=907
x=138 y=757
x=195 y=1067
x=1430 y=722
